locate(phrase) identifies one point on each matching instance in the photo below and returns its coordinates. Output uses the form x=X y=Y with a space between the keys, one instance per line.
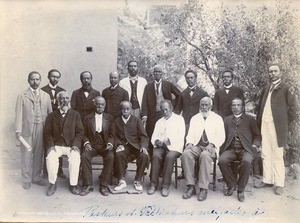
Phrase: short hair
x=206 y=97
x=167 y=101
x=228 y=71
x=123 y=102
x=114 y=72
x=33 y=72
x=191 y=71
x=237 y=98
x=52 y=71
x=274 y=64
x=84 y=73
x=158 y=66
x=131 y=61
x=60 y=93
x=98 y=97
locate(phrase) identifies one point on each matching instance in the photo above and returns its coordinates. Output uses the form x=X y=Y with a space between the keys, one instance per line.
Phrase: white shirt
x=125 y=120
x=52 y=91
x=213 y=126
x=226 y=88
x=172 y=129
x=98 y=119
x=37 y=91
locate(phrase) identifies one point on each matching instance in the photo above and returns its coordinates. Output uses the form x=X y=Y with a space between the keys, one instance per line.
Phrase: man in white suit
x=32 y=108
x=205 y=136
x=135 y=86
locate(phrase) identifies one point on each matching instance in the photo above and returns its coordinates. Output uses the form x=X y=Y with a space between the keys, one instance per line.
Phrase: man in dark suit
x=277 y=108
x=63 y=134
x=130 y=140
x=223 y=97
x=189 y=101
x=82 y=98
x=53 y=89
x=114 y=95
x=97 y=140
x=154 y=93
x=243 y=139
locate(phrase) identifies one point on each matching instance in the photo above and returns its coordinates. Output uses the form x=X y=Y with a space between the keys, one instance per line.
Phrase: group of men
x=152 y=123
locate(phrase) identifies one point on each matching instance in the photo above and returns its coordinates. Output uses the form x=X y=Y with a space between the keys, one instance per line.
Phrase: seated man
x=130 y=140
x=242 y=140
x=168 y=141
x=97 y=140
x=63 y=133
x=206 y=134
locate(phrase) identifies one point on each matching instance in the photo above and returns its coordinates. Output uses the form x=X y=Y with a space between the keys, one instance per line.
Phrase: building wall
x=41 y=35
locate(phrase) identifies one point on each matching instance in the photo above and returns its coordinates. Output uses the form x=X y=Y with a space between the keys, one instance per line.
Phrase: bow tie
x=52 y=88
x=227 y=88
x=192 y=89
x=133 y=78
x=86 y=90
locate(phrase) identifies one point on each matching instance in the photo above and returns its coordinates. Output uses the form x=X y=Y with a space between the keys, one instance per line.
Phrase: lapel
x=104 y=122
x=187 y=94
x=92 y=121
x=238 y=121
x=153 y=90
x=28 y=94
x=91 y=94
x=57 y=117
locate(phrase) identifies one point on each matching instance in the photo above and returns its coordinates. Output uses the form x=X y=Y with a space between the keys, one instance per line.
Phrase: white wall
x=41 y=35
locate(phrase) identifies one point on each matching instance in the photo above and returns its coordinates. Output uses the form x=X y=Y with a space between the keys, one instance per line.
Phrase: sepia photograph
x=150 y=111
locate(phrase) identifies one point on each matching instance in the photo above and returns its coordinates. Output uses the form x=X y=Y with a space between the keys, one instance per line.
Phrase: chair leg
x=176 y=173
x=214 y=174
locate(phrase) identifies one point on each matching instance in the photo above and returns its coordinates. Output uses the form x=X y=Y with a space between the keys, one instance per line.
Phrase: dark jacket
x=71 y=130
x=222 y=100
x=113 y=98
x=89 y=124
x=189 y=106
x=246 y=129
x=132 y=132
x=284 y=108
x=84 y=105
x=54 y=102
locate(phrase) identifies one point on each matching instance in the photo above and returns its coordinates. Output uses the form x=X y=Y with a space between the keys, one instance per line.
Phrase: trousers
x=32 y=161
x=165 y=159
x=189 y=158
x=74 y=163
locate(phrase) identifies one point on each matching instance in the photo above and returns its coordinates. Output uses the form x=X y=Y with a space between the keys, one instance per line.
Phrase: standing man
x=135 y=86
x=277 y=108
x=243 y=140
x=63 y=134
x=53 y=89
x=206 y=135
x=114 y=95
x=154 y=93
x=168 y=141
x=130 y=139
x=98 y=140
x=82 y=99
x=32 y=108
x=223 y=97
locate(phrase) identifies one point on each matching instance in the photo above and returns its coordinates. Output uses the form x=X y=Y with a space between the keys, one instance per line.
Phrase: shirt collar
x=192 y=88
x=238 y=116
x=158 y=82
x=98 y=115
x=228 y=86
x=133 y=78
x=50 y=85
x=276 y=82
x=126 y=120
x=114 y=87
x=37 y=90
x=61 y=111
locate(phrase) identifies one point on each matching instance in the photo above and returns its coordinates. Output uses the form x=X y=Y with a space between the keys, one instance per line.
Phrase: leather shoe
x=241 y=196
x=165 y=192
x=262 y=184
x=190 y=191
x=51 y=190
x=26 y=185
x=202 y=195
x=181 y=176
x=40 y=183
x=61 y=174
x=86 y=189
x=104 y=191
x=279 y=190
x=74 y=190
x=229 y=191
x=151 y=190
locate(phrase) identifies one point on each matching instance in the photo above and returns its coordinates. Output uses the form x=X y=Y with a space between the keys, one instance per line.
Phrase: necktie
x=63 y=114
x=157 y=88
x=192 y=91
x=272 y=87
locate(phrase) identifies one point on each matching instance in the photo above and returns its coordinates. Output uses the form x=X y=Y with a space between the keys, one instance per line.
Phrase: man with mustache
x=130 y=140
x=63 y=134
x=97 y=140
x=82 y=98
x=53 y=89
x=32 y=108
x=205 y=136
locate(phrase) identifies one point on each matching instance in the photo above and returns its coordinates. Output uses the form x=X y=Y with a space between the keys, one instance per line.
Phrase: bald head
x=114 y=78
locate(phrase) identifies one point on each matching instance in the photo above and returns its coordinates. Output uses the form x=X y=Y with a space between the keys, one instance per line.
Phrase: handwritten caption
x=154 y=210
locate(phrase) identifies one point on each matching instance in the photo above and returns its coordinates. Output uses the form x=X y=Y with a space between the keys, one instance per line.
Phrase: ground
x=261 y=205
